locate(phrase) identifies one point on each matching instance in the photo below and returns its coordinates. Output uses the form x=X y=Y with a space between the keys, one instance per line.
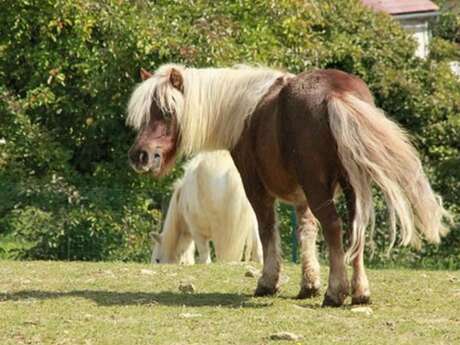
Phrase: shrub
x=67 y=69
x=447 y=25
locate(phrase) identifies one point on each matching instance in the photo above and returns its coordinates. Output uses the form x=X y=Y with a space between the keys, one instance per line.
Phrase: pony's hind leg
x=338 y=287
x=204 y=252
x=308 y=230
x=359 y=283
x=320 y=199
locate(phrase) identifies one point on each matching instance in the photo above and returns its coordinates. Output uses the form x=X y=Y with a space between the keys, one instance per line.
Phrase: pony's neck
x=172 y=232
x=169 y=245
x=176 y=242
x=177 y=247
x=217 y=103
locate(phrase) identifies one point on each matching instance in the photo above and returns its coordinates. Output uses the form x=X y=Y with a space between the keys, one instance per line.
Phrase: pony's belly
x=279 y=181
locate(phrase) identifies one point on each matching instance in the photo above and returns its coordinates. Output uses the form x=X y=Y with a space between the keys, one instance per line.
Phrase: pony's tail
x=373 y=148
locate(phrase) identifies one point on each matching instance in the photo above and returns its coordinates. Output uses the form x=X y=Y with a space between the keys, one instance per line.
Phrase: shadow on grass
x=113 y=298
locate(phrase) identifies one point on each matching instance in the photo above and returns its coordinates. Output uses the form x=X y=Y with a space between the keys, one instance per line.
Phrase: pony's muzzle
x=139 y=160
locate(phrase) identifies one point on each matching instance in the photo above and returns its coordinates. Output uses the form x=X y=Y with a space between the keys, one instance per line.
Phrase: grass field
x=118 y=303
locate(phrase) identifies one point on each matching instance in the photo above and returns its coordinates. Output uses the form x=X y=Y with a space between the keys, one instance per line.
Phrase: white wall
x=455 y=66
x=420 y=31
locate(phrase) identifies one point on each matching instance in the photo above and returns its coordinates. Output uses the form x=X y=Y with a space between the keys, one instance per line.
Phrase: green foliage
x=63 y=214
x=443 y=50
x=447 y=25
x=67 y=69
x=446 y=30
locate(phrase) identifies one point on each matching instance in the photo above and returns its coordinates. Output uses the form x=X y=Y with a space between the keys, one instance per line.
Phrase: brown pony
x=300 y=139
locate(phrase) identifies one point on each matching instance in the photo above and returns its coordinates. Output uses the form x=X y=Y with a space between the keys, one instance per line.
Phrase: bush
x=68 y=67
x=443 y=50
x=447 y=25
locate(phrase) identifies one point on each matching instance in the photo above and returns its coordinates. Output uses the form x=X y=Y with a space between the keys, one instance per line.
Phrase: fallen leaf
x=299 y=307
x=33 y=323
x=363 y=310
x=284 y=279
x=391 y=324
x=189 y=315
x=186 y=287
x=252 y=272
x=147 y=272
x=285 y=336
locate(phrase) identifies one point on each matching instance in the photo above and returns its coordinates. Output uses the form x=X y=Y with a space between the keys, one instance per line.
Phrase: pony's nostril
x=143 y=157
x=156 y=159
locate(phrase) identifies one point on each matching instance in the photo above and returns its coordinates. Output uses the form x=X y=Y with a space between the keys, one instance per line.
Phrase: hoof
x=305 y=292
x=361 y=300
x=262 y=291
x=330 y=302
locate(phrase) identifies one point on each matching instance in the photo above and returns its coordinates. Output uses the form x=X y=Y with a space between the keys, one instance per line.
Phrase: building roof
x=399 y=7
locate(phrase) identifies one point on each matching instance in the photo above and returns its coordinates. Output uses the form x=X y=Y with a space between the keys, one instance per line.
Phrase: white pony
x=208 y=203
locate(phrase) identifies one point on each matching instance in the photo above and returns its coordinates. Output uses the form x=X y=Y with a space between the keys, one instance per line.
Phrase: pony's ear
x=176 y=79
x=155 y=236
x=145 y=74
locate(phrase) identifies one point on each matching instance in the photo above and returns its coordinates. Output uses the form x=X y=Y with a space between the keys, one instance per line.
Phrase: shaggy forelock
x=156 y=89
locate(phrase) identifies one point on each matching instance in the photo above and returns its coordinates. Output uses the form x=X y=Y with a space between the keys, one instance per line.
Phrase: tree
x=67 y=69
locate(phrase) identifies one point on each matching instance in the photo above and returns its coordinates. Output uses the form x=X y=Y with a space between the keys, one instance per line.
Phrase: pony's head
x=183 y=254
x=156 y=247
x=152 y=111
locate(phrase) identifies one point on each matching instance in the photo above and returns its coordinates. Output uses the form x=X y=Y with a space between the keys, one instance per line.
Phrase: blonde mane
x=213 y=108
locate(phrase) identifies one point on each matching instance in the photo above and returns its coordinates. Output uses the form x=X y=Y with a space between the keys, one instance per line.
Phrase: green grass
x=119 y=303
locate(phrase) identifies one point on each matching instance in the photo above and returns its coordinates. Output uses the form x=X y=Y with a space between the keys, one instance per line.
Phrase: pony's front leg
x=263 y=205
x=265 y=212
x=308 y=230
x=204 y=252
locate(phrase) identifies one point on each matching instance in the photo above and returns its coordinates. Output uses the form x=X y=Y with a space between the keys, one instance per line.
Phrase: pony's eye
x=157 y=260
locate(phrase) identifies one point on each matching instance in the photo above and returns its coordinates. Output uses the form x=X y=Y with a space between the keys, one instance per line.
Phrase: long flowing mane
x=213 y=107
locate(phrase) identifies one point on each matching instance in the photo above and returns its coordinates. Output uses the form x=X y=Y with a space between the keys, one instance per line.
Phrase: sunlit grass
x=119 y=303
